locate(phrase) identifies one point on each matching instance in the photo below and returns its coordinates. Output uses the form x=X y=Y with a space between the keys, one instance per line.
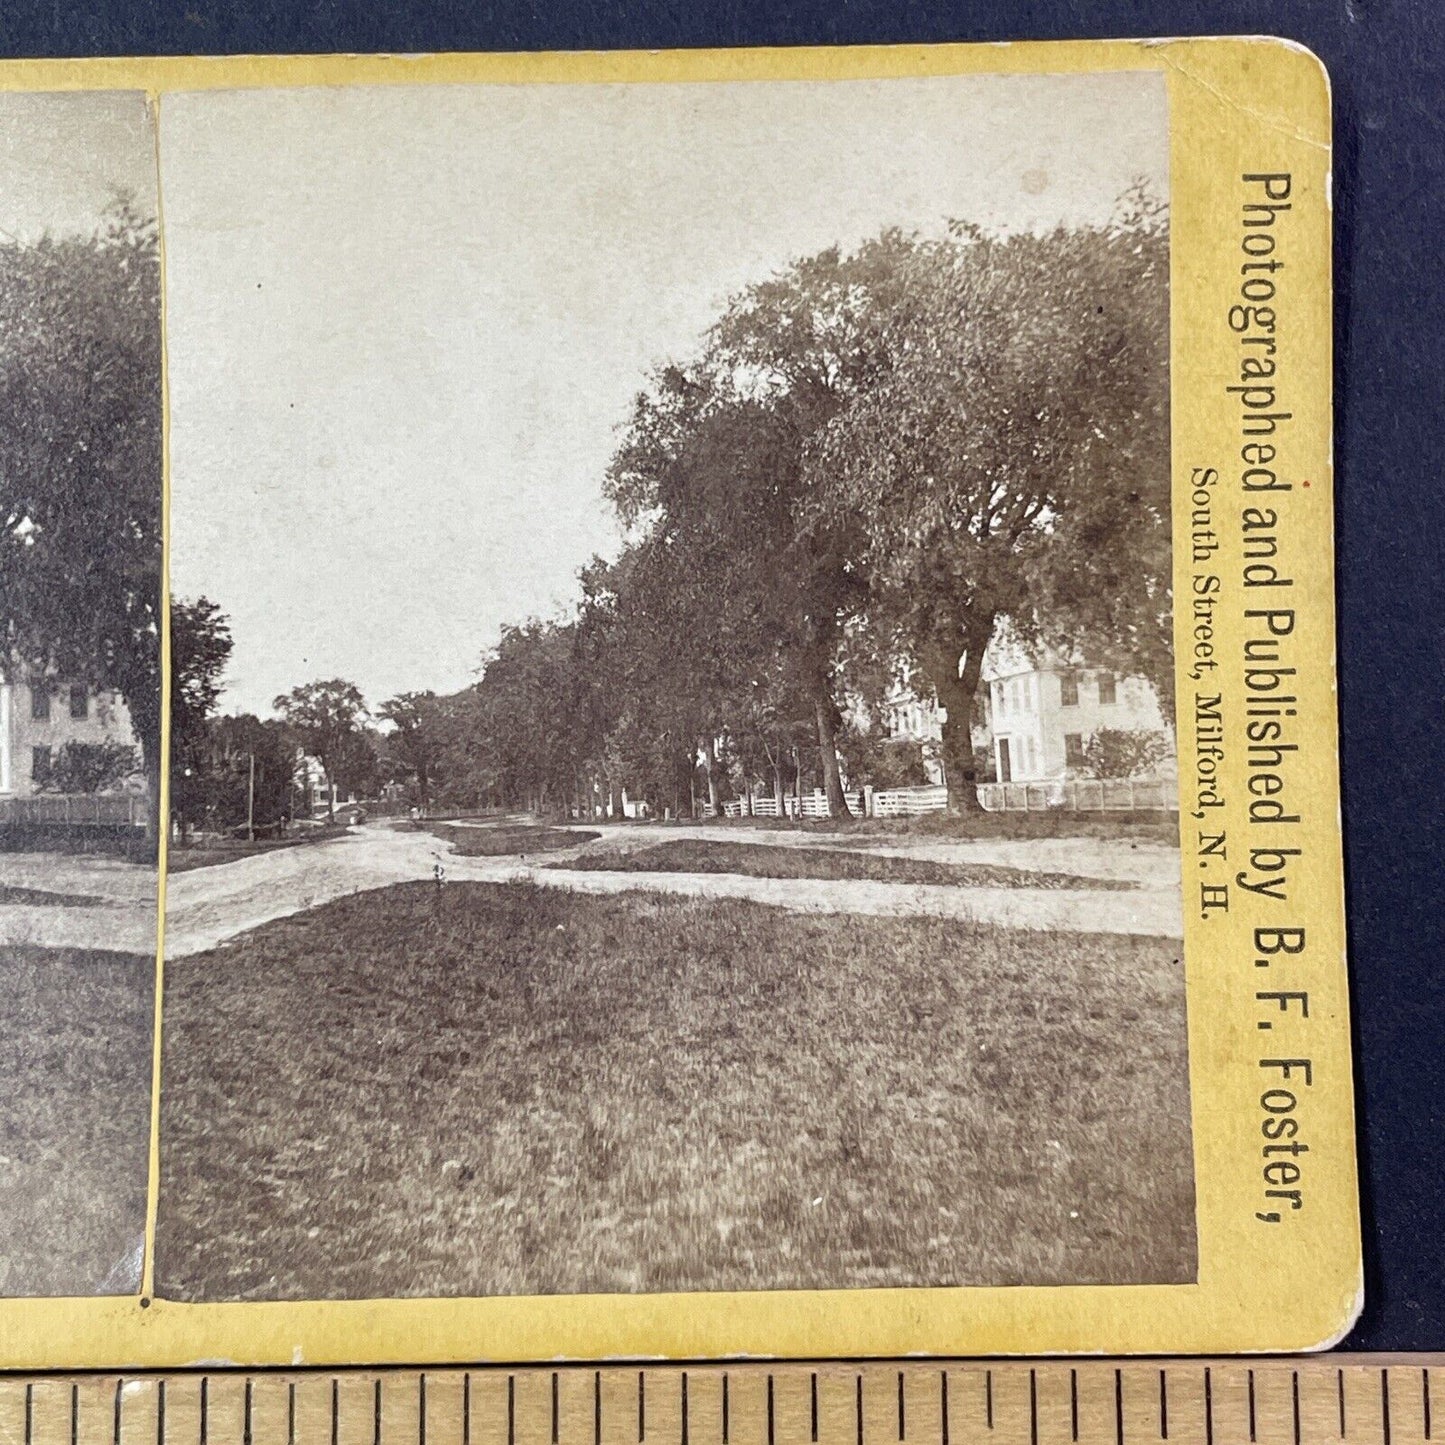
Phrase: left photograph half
x=81 y=601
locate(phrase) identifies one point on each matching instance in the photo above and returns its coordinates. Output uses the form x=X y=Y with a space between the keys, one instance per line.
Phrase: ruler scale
x=1309 y=1400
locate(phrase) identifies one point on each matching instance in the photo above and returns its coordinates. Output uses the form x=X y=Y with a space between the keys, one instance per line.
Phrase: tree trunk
x=778 y=786
x=955 y=690
x=154 y=822
x=714 y=793
x=828 y=753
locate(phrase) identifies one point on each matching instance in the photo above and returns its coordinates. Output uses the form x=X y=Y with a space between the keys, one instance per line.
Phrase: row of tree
x=227 y=771
x=875 y=461
x=230 y=770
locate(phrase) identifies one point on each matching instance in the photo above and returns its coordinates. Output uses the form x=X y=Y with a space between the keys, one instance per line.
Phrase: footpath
x=206 y=906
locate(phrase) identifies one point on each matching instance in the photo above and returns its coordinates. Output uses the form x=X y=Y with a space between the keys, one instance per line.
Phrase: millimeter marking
x=1322 y=1400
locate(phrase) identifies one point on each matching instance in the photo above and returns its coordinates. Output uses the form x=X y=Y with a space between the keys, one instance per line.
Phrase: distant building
x=318 y=797
x=38 y=719
x=1036 y=716
x=915 y=716
x=1045 y=715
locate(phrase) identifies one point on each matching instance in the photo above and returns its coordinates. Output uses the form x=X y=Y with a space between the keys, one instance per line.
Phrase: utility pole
x=251 y=801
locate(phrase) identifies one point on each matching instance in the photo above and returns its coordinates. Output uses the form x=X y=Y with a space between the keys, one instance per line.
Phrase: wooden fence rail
x=75 y=810
x=1073 y=795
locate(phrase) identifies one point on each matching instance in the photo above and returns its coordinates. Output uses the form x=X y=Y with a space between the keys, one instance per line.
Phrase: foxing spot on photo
x=80 y=708
x=672 y=762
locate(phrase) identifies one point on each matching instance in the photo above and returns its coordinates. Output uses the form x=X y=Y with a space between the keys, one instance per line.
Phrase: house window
x=1074 y=749
x=79 y=701
x=40 y=703
x=1068 y=690
x=1106 y=689
x=40 y=765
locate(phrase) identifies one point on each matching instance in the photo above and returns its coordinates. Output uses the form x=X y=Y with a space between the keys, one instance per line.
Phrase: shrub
x=90 y=767
x=1125 y=752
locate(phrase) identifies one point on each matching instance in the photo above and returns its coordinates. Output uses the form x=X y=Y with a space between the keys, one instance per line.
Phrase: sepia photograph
x=80 y=692
x=672 y=740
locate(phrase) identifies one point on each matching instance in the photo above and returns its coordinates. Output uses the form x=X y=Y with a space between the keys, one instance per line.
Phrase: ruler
x=1308 y=1400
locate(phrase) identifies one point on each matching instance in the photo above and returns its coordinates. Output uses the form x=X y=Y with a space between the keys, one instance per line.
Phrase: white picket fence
x=909 y=802
x=1074 y=795
x=811 y=805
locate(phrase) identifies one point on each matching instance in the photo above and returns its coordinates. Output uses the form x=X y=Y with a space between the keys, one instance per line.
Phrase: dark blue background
x=1387 y=60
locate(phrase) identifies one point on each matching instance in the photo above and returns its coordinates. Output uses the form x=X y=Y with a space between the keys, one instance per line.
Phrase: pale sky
x=64 y=155
x=405 y=324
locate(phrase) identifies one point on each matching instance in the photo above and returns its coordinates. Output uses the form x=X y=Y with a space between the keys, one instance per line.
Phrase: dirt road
x=206 y=906
x=119 y=913
x=1118 y=860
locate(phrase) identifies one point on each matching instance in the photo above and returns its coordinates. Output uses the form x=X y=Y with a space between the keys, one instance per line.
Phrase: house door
x=1005 y=762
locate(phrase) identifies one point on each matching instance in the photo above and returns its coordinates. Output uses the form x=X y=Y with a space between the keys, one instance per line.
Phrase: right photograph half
x=673 y=769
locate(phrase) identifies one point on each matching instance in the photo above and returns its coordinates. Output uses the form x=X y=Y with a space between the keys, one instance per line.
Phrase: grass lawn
x=75 y=1084
x=212 y=853
x=42 y=897
x=127 y=843
x=502 y=1089
x=762 y=860
x=1057 y=823
x=509 y=840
